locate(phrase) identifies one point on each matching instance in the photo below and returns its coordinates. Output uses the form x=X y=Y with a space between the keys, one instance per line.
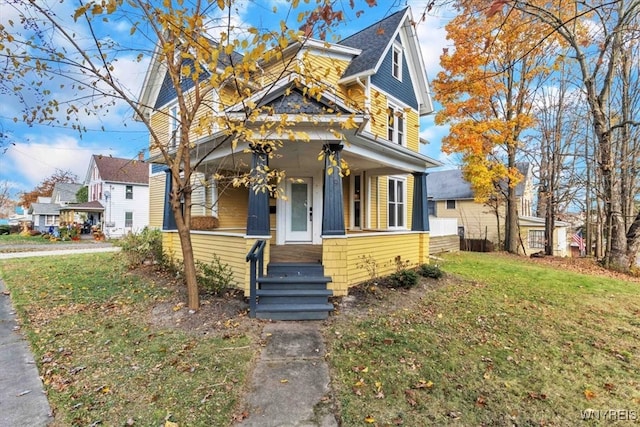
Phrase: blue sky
x=35 y=152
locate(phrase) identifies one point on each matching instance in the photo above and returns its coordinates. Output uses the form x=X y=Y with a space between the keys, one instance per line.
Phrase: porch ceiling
x=361 y=151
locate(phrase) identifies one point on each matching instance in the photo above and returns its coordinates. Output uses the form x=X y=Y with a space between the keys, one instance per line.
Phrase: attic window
x=396 y=62
x=451 y=204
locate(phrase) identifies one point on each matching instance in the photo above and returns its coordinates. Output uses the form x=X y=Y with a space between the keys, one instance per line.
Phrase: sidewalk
x=59 y=251
x=290 y=384
x=22 y=398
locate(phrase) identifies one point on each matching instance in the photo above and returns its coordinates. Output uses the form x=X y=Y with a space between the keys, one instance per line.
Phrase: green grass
x=507 y=343
x=18 y=239
x=102 y=360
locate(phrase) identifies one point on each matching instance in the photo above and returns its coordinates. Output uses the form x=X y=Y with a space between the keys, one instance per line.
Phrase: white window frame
x=357 y=199
x=399 y=206
x=174 y=126
x=211 y=196
x=125 y=219
x=128 y=195
x=396 y=134
x=396 y=62
x=536 y=239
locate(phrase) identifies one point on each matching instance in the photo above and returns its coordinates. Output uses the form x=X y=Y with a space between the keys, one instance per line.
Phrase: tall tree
x=45 y=188
x=603 y=37
x=486 y=90
x=212 y=61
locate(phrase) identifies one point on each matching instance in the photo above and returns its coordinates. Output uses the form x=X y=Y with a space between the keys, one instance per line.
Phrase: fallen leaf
x=284 y=381
x=589 y=394
x=369 y=419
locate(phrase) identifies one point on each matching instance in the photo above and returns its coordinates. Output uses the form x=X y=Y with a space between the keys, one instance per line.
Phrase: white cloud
x=39 y=158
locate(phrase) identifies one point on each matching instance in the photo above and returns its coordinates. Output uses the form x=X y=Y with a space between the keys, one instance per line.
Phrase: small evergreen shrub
x=215 y=276
x=403 y=279
x=144 y=246
x=431 y=271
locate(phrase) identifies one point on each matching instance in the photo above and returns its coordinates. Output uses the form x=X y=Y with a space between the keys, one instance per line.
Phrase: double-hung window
x=536 y=239
x=128 y=192
x=128 y=219
x=396 y=125
x=396 y=62
x=396 y=195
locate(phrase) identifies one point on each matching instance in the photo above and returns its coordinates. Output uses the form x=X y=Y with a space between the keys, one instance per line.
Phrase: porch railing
x=256 y=259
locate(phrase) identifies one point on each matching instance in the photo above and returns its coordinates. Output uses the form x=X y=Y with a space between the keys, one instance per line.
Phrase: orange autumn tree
x=200 y=44
x=487 y=89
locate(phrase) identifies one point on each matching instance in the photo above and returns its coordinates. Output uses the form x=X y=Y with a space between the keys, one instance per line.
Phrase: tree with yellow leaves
x=212 y=61
x=487 y=90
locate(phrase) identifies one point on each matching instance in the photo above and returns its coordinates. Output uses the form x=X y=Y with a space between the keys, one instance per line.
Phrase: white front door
x=299 y=210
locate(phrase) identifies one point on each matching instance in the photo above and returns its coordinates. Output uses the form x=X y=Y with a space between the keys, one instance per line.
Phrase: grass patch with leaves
x=498 y=341
x=103 y=362
x=20 y=239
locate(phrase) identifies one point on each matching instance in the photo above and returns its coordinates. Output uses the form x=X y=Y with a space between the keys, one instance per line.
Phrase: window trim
x=130 y=224
x=174 y=126
x=394 y=133
x=128 y=192
x=396 y=62
x=448 y=207
x=402 y=204
x=535 y=239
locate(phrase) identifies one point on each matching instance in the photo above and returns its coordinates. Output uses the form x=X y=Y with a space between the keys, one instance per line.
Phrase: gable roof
x=65 y=192
x=44 y=209
x=451 y=185
x=373 y=41
x=127 y=171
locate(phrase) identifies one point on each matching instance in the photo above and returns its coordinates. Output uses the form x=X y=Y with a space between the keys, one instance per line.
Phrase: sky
x=31 y=153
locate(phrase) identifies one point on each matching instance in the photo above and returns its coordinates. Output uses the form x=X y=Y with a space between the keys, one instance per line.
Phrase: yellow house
x=451 y=196
x=344 y=229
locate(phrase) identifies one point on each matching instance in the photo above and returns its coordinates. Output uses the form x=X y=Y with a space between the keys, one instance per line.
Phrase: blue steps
x=293 y=291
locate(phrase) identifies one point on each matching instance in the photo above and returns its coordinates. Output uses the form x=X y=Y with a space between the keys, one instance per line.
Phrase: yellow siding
x=379 y=114
x=159 y=122
x=156 y=199
x=346 y=202
x=373 y=208
x=231 y=249
x=409 y=202
x=325 y=69
x=349 y=261
x=478 y=220
x=383 y=189
x=233 y=207
x=413 y=130
x=354 y=96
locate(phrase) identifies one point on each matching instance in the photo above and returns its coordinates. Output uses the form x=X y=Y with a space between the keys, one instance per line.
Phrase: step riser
x=263 y=301
x=285 y=270
x=293 y=315
x=299 y=286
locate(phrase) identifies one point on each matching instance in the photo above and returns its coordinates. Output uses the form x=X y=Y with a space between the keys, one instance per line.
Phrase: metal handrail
x=256 y=258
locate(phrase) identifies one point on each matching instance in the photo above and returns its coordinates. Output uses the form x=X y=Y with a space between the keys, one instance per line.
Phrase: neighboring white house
x=122 y=187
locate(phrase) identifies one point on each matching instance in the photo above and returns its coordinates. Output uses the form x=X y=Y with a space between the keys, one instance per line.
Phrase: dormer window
x=396 y=62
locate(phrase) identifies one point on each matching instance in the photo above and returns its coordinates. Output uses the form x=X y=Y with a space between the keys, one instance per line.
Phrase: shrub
x=215 y=276
x=403 y=279
x=5 y=229
x=144 y=246
x=431 y=271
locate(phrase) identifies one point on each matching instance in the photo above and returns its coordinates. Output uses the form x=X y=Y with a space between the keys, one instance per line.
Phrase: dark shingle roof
x=44 y=209
x=451 y=185
x=92 y=206
x=448 y=185
x=113 y=169
x=373 y=41
x=65 y=192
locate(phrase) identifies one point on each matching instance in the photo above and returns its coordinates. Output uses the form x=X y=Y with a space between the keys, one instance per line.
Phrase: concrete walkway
x=80 y=249
x=290 y=383
x=22 y=398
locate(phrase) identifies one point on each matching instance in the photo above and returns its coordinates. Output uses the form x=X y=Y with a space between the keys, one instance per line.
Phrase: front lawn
x=113 y=347
x=500 y=340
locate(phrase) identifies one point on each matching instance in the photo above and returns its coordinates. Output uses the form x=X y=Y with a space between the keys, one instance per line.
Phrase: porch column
x=168 y=219
x=420 y=216
x=332 y=207
x=258 y=215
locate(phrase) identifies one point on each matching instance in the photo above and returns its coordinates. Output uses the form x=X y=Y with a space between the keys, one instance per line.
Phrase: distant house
x=44 y=214
x=121 y=186
x=64 y=193
x=451 y=196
